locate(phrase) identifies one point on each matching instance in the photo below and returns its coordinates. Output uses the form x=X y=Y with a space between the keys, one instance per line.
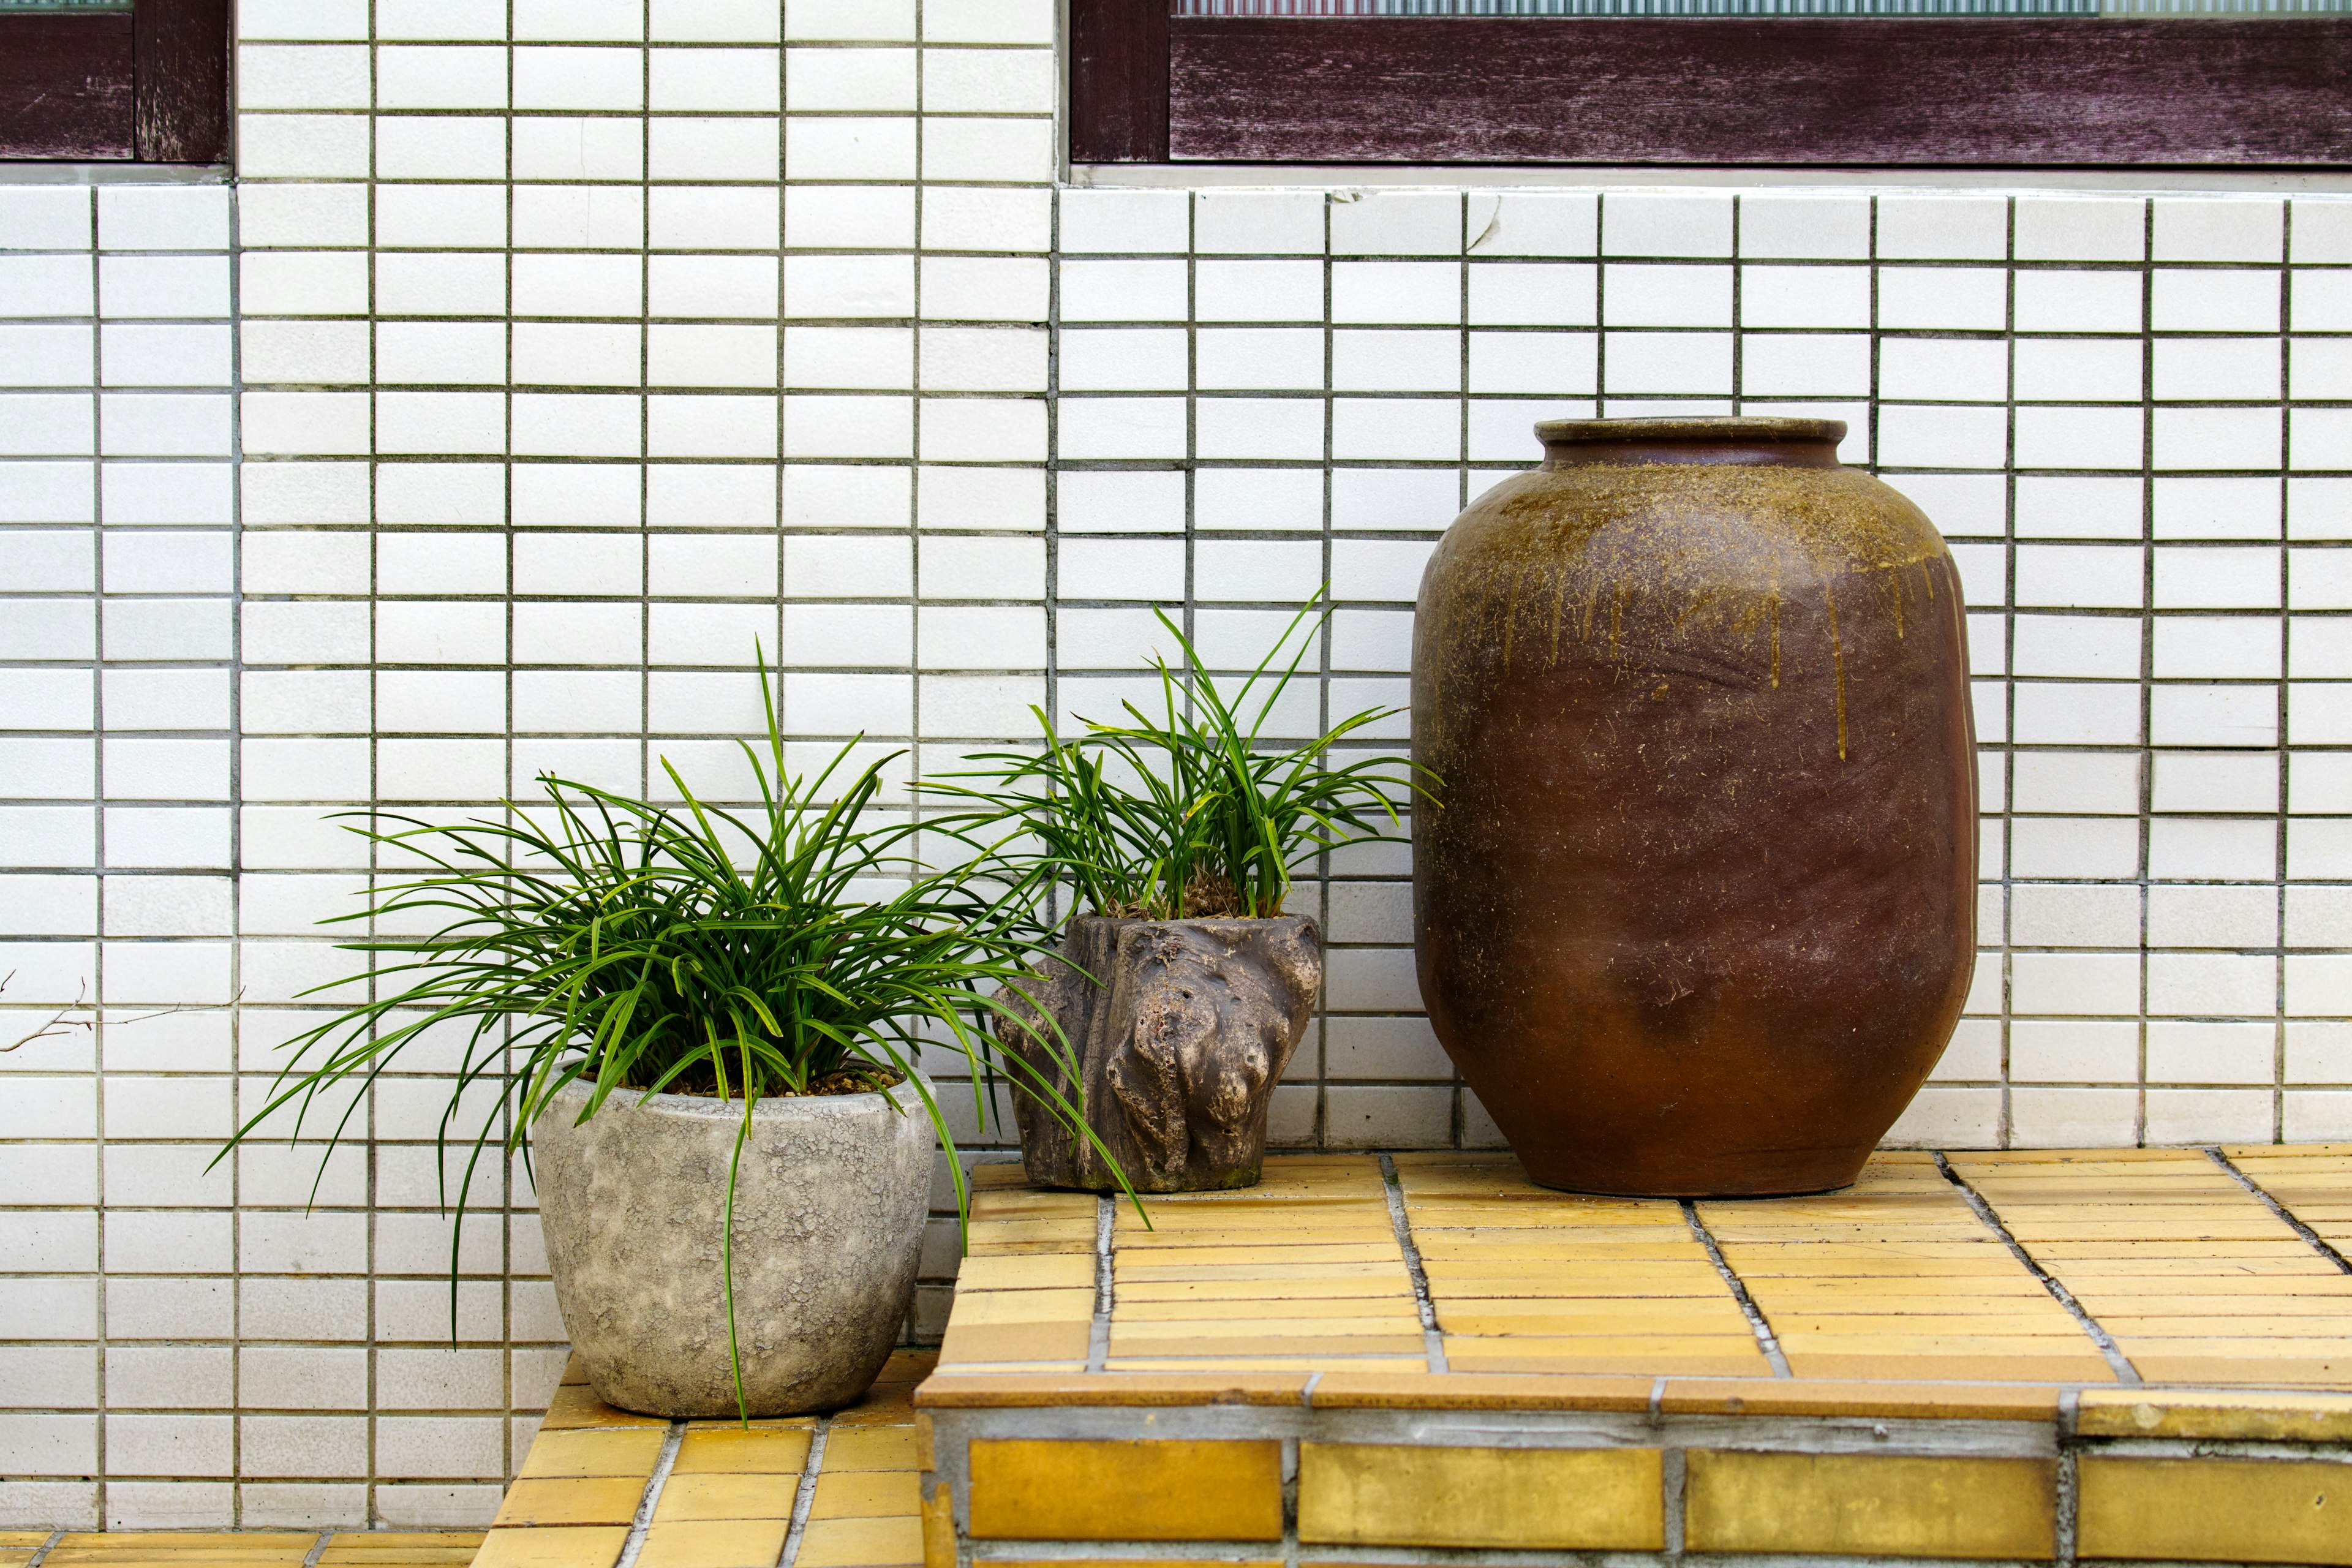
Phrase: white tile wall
x=549 y=358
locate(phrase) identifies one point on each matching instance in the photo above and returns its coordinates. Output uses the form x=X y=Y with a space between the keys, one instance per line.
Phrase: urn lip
x=1746 y=440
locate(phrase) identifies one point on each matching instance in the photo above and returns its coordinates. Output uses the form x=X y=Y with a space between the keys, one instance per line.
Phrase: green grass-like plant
x=795 y=949
x=1188 y=811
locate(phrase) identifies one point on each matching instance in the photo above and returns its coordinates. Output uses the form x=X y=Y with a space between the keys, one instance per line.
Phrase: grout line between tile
x=2146 y=800
x=101 y=861
x=651 y=1497
x=2281 y=716
x=1098 y=1331
x=2319 y=1242
x=804 y=1498
x=236 y=721
x=1290 y=1502
x=371 y=264
x=2116 y=1361
x=1674 y=1483
x=1432 y=1341
x=2068 y=1512
x=1765 y=1339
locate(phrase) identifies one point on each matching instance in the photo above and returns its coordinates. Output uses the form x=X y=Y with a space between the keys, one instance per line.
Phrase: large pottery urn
x=1698 y=912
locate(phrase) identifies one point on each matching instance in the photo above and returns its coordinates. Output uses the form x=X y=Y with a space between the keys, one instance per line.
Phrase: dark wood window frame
x=1864 y=92
x=147 y=86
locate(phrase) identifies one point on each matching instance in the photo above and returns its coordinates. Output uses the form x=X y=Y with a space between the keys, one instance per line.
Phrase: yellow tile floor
x=2051 y=1355
x=834 y=1492
x=2194 y=1276
x=837 y=1492
x=239 y=1549
x=2123 y=1293
x=2048 y=1266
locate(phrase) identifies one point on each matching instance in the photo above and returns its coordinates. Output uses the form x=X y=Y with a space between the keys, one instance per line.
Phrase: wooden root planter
x=1180 y=1030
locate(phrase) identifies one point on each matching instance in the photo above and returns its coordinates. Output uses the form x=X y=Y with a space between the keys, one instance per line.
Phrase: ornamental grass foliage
x=1189 y=811
x=798 y=948
x=803 y=947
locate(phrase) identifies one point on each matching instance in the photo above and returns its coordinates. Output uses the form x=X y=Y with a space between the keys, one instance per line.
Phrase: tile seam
x=1393 y=1189
x=1106 y=1273
x=803 y=1495
x=2313 y=1238
x=1766 y=1341
x=2146 y=800
x=651 y=1497
x=2116 y=1361
x=102 y=860
x=2066 y=1512
x=2281 y=716
x=1674 y=1501
x=1290 y=1448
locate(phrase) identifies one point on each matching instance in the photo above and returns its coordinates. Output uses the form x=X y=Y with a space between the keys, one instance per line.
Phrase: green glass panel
x=62 y=7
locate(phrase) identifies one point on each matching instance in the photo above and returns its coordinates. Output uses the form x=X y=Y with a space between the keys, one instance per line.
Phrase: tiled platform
x=602 y=1486
x=2096 y=1355
x=239 y=1549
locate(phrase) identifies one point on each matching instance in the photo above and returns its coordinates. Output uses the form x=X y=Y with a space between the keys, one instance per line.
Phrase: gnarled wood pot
x=1698 y=913
x=1180 y=1030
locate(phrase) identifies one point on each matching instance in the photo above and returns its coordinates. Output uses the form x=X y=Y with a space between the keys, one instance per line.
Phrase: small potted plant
x=707 y=1024
x=1181 y=991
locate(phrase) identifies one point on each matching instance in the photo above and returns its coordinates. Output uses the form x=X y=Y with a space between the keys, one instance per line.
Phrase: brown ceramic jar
x=1698 y=913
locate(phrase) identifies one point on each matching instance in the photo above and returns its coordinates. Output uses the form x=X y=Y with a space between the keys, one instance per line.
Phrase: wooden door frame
x=150 y=86
x=1861 y=92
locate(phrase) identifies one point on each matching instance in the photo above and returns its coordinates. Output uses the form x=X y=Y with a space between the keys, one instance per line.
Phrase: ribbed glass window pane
x=60 y=8
x=2244 y=8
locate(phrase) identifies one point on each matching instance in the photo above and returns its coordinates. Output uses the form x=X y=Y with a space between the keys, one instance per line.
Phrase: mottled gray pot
x=1179 y=1047
x=829 y=1207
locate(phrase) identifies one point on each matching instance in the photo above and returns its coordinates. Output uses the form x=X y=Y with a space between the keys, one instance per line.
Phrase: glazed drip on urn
x=1649 y=597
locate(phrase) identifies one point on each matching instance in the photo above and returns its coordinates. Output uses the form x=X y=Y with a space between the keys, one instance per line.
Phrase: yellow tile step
x=727 y=1497
x=1895 y=1300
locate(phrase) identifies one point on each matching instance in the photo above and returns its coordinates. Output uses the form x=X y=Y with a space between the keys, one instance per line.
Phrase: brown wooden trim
x=1118 y=81
x=1875 y=92
x=65 y=86
x=184 y=73
x=151 y=87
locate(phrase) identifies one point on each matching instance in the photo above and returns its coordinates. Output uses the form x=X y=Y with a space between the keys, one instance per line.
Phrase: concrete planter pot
x=1179 y=1048
x=829 y=1208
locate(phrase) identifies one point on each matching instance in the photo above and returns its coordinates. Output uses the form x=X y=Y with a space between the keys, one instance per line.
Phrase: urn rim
x=1770 y=441
x=1692 y=427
